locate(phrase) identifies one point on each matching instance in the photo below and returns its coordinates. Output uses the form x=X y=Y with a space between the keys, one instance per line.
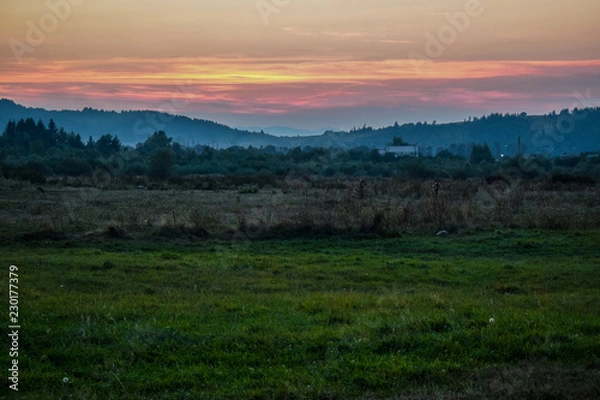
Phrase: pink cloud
x=292 y=86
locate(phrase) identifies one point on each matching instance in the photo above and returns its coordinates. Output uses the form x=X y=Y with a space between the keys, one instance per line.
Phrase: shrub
x=570 y=178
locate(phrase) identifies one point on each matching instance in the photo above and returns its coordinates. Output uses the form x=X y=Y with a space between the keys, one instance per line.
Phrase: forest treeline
x=33 y=151
x=570 y=131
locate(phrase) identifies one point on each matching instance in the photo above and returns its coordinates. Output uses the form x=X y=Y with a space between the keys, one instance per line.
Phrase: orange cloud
x=276 y=70
x=290 y=85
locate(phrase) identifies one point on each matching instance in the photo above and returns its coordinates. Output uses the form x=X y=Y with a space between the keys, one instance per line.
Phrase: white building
x=399 y=151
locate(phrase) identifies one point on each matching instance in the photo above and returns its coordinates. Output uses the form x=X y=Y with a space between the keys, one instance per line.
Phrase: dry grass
x=386 y=207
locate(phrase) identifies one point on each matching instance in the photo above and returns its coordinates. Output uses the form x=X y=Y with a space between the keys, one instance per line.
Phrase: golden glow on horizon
x=281 y=86
x=222 y=71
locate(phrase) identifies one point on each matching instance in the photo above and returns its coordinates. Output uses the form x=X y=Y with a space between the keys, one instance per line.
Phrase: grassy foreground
x=507 y=313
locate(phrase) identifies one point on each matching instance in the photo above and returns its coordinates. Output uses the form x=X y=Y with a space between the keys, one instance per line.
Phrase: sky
x=303 y=63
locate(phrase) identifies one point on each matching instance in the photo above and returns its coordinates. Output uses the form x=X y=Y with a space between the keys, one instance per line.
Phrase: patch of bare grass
x=386 y=207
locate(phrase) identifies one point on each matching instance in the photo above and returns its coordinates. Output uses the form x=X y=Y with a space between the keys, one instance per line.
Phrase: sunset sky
x=303 y=63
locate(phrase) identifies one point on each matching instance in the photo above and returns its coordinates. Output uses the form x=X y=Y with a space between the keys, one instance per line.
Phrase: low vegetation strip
x=512 y=314
x=294 y=207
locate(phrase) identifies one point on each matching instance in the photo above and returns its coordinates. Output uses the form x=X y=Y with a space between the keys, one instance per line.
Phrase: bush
x=161 y=163
x=32 y=171
x=570 y=178
x=73 y=167
x=135 y=169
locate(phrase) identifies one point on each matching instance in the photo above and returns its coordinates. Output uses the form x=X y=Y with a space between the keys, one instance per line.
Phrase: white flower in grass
x=492 y=320
x=65 y=380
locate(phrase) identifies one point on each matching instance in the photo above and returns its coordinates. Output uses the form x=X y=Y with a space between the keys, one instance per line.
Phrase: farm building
x=400 y=151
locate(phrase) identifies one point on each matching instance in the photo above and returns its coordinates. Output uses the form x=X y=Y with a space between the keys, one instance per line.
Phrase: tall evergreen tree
x=480 y=154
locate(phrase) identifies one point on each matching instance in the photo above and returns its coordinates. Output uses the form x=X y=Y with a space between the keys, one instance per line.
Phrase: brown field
x=292 y=207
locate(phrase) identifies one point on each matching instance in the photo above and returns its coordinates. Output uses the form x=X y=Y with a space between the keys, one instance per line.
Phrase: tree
x=398 y=141
x=61 y=137
x=52 y=129
x=11 y=130
x=40 y=130
x=480 y=154
x=446 y=154
x=75 y=141
x=161 y=164
x=374 y=156
x=73 y=166
x=158 y=140
x=108 y=145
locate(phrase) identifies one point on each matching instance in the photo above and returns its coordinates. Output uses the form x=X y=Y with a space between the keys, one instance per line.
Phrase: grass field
x=494 y=314
x=295 y=207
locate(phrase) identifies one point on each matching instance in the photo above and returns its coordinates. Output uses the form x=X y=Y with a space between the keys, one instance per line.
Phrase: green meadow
x=497 y=314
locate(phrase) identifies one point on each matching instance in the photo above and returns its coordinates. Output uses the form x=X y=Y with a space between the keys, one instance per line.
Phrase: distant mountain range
x=133 y=127
x=284 y=130
x=570 y=132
